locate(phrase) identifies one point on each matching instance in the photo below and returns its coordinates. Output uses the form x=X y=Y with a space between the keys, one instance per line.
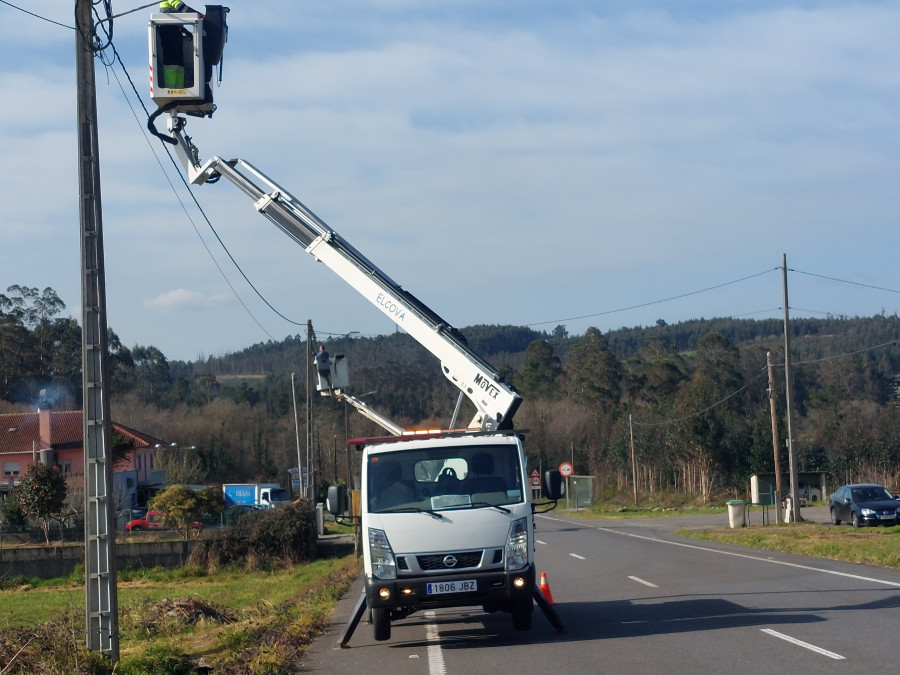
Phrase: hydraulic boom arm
x=495 y=400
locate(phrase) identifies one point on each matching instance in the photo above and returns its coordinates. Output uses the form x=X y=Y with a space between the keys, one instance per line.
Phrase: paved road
x=635 y=598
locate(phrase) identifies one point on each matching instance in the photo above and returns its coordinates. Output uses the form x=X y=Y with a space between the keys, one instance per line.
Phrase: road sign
x=566 y=469
x=535 y=479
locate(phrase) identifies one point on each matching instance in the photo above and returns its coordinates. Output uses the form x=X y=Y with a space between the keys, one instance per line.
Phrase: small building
x=810 y=486
x=56 y=438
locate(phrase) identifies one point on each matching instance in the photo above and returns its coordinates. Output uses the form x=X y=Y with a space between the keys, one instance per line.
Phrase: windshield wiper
x=493 y=506
x=412 y=509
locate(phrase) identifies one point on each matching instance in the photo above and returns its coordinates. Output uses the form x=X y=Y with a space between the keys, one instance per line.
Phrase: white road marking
x=641 y=581
x=538 y=541
x=435 y=654
x=575 y=555
x=735 y=554
x=800 y=643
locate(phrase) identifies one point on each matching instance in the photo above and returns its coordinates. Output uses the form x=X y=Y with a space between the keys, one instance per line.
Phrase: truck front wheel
x=521 y=615
x=381 y=623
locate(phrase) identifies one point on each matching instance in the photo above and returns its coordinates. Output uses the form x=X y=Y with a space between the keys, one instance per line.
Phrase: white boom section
x=365 y=410
x=495 y=400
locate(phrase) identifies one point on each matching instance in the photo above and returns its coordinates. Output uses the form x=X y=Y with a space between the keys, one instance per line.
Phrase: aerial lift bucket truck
x=446 y=517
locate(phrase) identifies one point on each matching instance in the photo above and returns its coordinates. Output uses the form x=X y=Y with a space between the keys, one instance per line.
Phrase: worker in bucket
x=172 y=39
x=323 y=364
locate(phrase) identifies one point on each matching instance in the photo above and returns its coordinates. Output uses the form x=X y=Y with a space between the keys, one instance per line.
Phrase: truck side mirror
x=336 y=500
x=553 y=486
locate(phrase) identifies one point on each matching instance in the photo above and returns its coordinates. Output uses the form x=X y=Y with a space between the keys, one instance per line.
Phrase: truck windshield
x=443 y=478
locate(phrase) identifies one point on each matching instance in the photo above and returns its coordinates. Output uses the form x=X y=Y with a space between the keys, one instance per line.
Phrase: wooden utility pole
x=794 y=515
x=775 y=444
x=633 y=464
x=101 y=599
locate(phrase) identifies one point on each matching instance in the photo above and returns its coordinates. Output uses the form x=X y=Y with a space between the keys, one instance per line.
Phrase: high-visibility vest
x=171 y=4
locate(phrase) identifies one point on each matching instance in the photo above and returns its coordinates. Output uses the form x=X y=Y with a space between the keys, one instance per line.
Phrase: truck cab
x=446 y=522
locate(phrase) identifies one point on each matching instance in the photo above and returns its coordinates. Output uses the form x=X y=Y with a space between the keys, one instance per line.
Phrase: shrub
x=262 y=540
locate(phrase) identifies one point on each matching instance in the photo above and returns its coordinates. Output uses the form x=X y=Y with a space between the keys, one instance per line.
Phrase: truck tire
x=521 y=615
x=381 y=623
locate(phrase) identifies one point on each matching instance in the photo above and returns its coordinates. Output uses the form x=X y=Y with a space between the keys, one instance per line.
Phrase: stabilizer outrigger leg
x=548 y=610
x=354 y=621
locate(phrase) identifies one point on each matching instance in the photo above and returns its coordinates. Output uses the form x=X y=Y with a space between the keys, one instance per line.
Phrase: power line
x=845 y=281
x=654 y=302
x=203 y=213
x=705 y=410
x=36 y=16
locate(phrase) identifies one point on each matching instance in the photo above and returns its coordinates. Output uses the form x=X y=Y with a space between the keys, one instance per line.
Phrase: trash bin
x=737 y=511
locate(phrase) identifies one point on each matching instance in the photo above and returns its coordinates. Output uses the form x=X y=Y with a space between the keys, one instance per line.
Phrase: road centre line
x=538 y=541
x=800 y=643
x=575 y=555
x=435 y=654
x=732 y=553
x=641 y=581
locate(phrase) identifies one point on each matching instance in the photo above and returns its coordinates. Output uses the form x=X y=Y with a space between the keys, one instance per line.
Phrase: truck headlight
x=517 y=545
x=384 y=566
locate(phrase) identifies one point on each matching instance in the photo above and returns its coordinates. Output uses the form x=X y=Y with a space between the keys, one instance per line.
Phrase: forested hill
x=693 y=396
x=506 y=345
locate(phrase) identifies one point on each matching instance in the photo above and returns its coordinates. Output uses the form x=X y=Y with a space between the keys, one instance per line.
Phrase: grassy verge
x=234 y=621
x=872 y=546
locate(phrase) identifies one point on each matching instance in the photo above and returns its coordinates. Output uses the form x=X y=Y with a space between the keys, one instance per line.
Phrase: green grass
x=251 y=621
x=34 y=601
x=872 y=546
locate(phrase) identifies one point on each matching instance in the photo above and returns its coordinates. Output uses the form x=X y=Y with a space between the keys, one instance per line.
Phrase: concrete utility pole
x=794 y=515
x=101 y=599
x=775 y=444
x=310 y=437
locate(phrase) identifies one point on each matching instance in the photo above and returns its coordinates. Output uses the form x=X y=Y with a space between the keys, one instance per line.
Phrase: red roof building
x=56 y=438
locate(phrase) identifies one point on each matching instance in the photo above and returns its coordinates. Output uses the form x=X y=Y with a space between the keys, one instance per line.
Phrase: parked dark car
x=864 y=504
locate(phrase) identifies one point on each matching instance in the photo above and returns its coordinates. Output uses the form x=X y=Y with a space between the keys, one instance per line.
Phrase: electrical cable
x=36 y=16
x=844 y=281
x=191 y=220
x=203 y=213
x=705 y=410
x=653 y=302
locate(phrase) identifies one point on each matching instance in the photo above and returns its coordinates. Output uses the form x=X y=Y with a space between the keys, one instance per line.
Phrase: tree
x=539 y=374
x=212 y=502
x=42 y=494
x=181 y=505
x=182 y=465
x=595 y=374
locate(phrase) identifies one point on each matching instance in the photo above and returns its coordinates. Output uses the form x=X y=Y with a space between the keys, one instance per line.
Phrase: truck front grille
x=464 y=559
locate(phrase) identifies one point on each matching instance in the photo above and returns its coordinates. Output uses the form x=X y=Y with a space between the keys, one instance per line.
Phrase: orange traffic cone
x=545 y=589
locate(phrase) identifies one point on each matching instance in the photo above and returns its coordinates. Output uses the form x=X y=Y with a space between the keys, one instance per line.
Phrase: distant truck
x=257 y=495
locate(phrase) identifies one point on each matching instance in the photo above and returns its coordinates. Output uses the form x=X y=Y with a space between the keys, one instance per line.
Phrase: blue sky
x=507 y=162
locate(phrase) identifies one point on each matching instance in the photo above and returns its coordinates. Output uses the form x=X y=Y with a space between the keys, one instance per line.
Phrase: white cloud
x=181 y=300
x=505 y=162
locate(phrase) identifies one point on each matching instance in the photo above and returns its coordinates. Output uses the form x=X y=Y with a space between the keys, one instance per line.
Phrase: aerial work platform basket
x=184 y=47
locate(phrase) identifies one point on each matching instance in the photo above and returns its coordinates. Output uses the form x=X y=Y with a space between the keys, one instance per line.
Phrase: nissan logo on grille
x=449 y=561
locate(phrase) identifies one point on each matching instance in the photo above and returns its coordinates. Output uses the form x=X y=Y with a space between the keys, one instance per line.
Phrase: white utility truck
x=447 y=521
x=447 y=518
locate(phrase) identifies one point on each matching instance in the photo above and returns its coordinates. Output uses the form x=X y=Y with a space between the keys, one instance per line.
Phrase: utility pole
x=297 y=435
x=633 y=465
x=310 y=437
x=775 y=444
x=101 y=599
x=792 y=451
